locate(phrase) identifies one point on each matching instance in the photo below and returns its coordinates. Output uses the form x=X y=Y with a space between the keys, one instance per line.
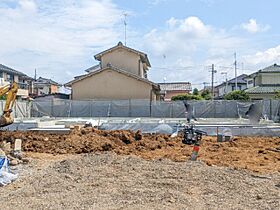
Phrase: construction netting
x=21 y=109
x=269 y=109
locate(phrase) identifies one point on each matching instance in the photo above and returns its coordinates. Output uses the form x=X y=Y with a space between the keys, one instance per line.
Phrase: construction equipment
x=192 y=135
x=11 y=91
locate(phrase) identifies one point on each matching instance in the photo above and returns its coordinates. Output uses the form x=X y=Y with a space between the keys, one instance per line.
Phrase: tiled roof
x=176 y=86
x=263 y=89
x=240 y=80
x=93 y=68
x=143 y=56
x=10 y=70
x=42 y=80
x=272 y=68
x=79 y=78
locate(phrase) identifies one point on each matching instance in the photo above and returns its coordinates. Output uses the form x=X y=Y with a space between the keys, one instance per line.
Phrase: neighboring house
x=209 y=88
x=43 y=86
x=174 y=88
x=121 y=74
x=9 y=75
x=229 y=86
x=264 y=83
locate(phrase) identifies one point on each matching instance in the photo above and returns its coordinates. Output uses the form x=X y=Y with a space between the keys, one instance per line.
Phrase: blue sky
x=181 y=37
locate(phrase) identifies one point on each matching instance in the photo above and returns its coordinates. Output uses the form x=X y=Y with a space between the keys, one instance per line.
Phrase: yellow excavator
x=11 y=91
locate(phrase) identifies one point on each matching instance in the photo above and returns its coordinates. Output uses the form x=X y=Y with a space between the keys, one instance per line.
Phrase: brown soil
x=258 y=154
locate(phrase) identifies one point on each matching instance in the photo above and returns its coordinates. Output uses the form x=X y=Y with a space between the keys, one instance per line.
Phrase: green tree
x=237 y=95
x=195 y=92
x=183 y=97
x=206 y=94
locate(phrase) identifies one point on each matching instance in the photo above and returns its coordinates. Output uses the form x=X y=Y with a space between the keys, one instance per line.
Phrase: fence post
x=129 y=107
x=270 y=109
x=150 y=108
x=52 y=107
x=172 y=110
x=90 y=108
x=109 y=109
x=15 y=105
x=214 y=101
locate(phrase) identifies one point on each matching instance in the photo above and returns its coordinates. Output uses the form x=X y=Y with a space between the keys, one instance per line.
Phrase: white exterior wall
x=270 y=78
x=222 y=90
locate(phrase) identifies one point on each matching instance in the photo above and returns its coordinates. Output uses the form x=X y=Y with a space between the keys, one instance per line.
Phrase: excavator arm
x=11 y=91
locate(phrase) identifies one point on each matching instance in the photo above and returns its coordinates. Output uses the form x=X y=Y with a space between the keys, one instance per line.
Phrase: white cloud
x=28 y=5
x=253 y=27
x=56 y=36
x=189 y=42
x=181 y=35
x=267 y=57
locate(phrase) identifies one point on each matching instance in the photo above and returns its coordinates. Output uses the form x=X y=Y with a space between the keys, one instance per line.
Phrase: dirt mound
x=259 y=154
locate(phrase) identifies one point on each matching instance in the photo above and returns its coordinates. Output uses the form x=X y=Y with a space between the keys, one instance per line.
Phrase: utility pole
x=235 y=69
x=213 y=71
x=35 y=76
x=226 y=88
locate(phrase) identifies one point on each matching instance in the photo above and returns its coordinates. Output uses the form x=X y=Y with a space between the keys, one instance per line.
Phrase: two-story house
x=265 y=83
x=230 y=85
x=43 y=86
x=121 y=74
x=9 y=75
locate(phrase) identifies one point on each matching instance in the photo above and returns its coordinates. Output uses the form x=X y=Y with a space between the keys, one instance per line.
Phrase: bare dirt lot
x=91 y=169
x=110 y=181
x=257 y=154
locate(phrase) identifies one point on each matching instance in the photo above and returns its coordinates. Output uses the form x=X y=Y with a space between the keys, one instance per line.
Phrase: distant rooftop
x=143 y=56
x=10 y=70
x=93 y=68
x=240 y=80
x=42 y=80
x=186 y=86
x=272 y=68
x=269 y=89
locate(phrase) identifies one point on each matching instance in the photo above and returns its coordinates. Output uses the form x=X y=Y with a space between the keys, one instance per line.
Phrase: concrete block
x=18 y=145
x=77 y=127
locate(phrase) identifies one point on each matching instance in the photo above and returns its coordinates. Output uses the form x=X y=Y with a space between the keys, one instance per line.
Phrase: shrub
x=237 y=95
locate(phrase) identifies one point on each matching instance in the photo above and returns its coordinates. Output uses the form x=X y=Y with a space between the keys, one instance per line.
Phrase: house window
x=10 y=77
x=239 y=87
x=1 y=74
x=250 y=82
x=145 y=74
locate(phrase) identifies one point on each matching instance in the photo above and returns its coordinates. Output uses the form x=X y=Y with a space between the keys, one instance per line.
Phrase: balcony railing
x=22 y=85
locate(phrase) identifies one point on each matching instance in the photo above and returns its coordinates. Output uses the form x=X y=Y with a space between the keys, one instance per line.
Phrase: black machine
x=192 y=135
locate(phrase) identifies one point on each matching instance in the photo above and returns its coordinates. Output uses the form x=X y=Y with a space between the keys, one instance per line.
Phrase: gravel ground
x=110 y=181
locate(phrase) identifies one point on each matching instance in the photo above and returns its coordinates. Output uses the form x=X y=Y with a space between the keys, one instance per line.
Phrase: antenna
x=125 y=25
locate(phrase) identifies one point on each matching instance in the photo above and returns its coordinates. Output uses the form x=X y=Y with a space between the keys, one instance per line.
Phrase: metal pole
x=235 y=69
x=212 y=86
